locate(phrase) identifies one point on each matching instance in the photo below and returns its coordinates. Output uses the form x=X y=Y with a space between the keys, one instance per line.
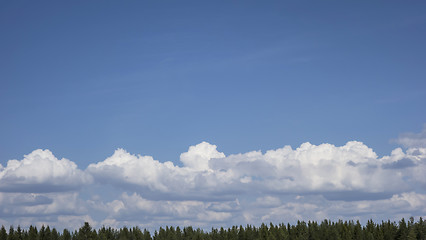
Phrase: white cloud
x=307 y=169
x=163 y=180
x=41 y=171
x=325 y=167
x=311 y=182
x=198 y=156
x=141 y=172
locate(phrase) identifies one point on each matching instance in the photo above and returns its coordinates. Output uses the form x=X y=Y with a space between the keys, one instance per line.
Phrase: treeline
x=403 y=230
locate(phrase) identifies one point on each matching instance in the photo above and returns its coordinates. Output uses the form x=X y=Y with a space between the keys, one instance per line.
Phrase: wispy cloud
x=413 y=140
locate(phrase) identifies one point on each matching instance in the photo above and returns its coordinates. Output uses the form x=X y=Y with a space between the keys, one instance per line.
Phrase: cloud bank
x=306 y=169
x=208 y=188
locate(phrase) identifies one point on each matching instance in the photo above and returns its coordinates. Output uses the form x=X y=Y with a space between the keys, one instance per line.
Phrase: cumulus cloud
x=140 y=172
x=325 y=167
x=198 y=156
x=41 y=171
x=209 y=188
x=160 y=180
x=306 y=169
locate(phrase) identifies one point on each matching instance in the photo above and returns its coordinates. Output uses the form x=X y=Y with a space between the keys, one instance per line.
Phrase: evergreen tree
x=421 y=229
x=313 y=231
x=32 y=233
x=222 y=234
x=25 y=235
x=11 y=233
x=85 y=232
x=264 y=232
x=378 y=234
x=66 y=235
x=48 y=233
x=302 y=232
x=178 y=233
x=324 y=229
x=357 y=231
x=411 y=234
x=339 y=230
x=389 y=230
x=55 y=234
x=214 y=235
x=147 y=235
x=42 y=233
x=232 y=233
x=3 y=233
x=346 y=233
x=124 y=233
x=18 y=233
x=137 y=233
x=402 y=232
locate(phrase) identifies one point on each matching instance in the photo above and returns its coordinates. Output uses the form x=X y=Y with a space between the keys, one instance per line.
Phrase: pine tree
x=402 y=232
x=48 y=233
x=85 y=232
x=282 y=232
x=18 y=233
x=11 y=233
x=137 y=233
x=42 y=233
x=54 y=234
x=32 y=233
x=66 y=235
x=3 y=233
x=421 y=232
x=124 y=233
x=146 y=235
x=411 y=234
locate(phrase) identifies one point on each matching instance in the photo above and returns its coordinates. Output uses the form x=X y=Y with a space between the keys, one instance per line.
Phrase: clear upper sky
x=83 y=78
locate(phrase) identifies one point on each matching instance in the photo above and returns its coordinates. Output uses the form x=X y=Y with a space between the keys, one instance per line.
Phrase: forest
x=340 y=230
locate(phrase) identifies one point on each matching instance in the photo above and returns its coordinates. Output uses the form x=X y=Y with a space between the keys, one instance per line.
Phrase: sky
x=211 y=113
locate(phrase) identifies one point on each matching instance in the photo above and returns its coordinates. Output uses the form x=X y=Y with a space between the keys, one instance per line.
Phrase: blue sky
x=83 y=79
